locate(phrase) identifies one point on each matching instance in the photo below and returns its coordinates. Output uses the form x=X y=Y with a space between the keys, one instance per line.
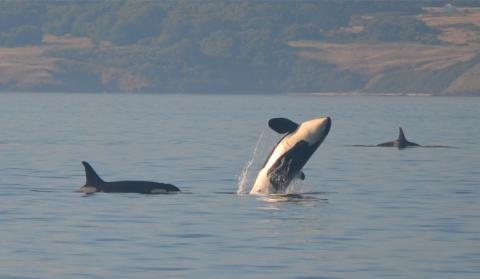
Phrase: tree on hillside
x=20 y=36
x=397 y=28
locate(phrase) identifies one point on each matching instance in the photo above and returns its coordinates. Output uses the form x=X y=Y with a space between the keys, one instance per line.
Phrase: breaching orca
x=400 y=142
x=290 y=154
x=95 y=184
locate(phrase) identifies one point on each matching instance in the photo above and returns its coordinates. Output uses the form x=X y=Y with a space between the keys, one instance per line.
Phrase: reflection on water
x=360 y=213
x=292 y=198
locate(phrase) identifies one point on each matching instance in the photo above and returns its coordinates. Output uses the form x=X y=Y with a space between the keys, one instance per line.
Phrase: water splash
x=297 y=186
x=245 y=178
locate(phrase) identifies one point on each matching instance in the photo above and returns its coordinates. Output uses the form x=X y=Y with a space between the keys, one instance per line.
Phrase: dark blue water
x=368 y=213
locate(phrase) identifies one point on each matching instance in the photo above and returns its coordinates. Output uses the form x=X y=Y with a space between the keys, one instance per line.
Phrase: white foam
x=245 y=177
x=297 y=186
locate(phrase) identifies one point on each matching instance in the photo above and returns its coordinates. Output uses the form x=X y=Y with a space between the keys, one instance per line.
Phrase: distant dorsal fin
x=401 y=135
x=282 y=125
x=92 y=177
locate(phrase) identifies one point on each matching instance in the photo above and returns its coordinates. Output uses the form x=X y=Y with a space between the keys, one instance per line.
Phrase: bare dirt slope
x=31 y=69
x=449 y=68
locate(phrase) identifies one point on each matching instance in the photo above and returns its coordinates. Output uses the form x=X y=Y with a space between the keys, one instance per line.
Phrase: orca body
x=290 y=154
x=95 y=184
x=401 y=142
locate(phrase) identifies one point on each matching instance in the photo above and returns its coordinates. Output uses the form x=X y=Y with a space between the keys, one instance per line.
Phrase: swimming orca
x=400 y=142
x=290 y=154
x=95 y=184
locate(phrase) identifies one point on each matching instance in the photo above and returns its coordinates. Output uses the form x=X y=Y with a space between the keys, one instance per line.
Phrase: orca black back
x=401 y=141
x=95 y=184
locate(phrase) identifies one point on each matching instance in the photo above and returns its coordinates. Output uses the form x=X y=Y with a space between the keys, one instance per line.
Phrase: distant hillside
x=36 y=69
x=357 y=47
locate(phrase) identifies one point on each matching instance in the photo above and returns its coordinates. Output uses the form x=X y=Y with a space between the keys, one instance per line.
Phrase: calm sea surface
x=365 y=212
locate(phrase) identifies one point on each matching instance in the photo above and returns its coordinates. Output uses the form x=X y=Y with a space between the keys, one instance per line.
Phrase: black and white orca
x=95 y=184
x=290 y=154
x=400 y=142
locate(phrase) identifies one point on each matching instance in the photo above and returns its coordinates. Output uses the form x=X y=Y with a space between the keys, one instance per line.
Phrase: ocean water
x=364 y=212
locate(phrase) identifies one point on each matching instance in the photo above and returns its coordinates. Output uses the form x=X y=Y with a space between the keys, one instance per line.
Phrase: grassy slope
x=449 y=68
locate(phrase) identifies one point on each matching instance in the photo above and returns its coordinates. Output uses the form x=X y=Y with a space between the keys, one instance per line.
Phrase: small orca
x=401 y=142
x=95 y=184
x=290 y=154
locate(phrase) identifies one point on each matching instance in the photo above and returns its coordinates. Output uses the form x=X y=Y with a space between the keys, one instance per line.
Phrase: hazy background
x=241 y=46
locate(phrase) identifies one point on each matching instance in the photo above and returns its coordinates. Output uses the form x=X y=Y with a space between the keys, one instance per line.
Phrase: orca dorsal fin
x=92 y=177
x=282 y=125
x=401 y=135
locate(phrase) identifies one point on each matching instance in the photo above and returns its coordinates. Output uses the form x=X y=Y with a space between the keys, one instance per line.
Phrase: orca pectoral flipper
x=282 y=125
x=301 y=175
